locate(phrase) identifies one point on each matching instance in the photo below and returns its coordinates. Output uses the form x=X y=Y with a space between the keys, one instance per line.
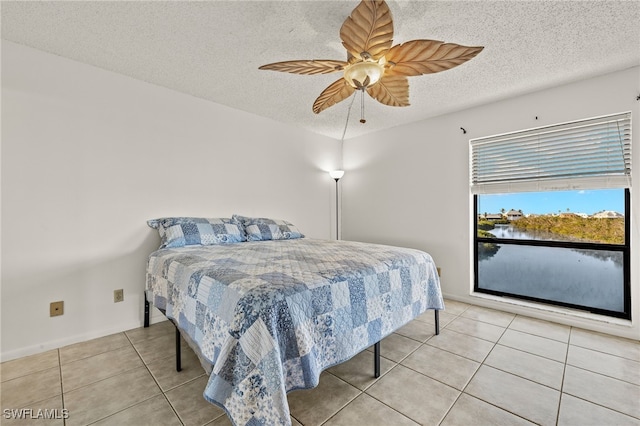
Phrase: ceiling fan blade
x=391 y=90
x=418 y=57
x=368 y=32
x=307 y=67
x=338 y=91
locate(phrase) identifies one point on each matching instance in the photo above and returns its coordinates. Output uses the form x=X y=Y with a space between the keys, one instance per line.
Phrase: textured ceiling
x=213 y=49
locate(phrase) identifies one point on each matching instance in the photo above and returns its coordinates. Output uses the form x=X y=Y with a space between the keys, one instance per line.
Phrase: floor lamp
x=336 y=175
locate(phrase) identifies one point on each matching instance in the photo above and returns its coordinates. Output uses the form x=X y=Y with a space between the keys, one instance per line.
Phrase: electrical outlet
x=56 y=309
x=118 y=295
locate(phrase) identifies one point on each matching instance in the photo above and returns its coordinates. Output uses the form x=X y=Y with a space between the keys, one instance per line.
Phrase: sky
x=583 y=201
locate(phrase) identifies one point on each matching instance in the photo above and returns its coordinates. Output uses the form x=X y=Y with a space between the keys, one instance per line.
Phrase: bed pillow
x=189 y=231
x=260 y=228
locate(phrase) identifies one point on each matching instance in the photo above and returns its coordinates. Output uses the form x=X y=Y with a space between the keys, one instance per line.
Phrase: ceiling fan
x=372 y=64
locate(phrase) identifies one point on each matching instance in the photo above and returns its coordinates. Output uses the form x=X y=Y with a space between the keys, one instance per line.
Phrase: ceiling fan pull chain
x=362 y=120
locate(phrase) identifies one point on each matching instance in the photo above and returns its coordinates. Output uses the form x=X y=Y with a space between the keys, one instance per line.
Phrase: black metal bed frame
x=376 y=346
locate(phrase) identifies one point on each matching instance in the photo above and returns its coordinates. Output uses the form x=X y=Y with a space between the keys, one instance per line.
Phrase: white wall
x=89 y=155
x=409 y=185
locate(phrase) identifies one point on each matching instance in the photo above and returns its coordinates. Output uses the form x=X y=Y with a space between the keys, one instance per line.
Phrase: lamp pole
x=337 y=230
x=336 y=175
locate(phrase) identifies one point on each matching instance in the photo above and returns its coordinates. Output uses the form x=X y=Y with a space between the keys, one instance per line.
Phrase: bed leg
x=376 y=360
x=146 y=310
x=178 y=353
x=437 y=322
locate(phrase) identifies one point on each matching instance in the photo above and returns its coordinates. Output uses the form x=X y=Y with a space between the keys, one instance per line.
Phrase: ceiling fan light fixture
x=363 y=74
x=373 y=63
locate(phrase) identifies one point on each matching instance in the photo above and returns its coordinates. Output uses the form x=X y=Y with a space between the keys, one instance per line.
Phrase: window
x=551 y=214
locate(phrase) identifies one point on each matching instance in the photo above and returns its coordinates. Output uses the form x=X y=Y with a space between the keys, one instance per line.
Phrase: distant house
x=607 y=214
x=493 y=216
x=514 y=215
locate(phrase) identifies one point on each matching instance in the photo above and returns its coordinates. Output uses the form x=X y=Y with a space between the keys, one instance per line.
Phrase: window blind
x=586 y=154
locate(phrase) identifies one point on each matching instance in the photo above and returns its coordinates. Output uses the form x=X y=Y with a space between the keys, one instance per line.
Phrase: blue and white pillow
x=188 y=231
x=261 y=229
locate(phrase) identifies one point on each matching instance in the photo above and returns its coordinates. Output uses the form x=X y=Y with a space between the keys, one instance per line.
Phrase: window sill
x=567 y=316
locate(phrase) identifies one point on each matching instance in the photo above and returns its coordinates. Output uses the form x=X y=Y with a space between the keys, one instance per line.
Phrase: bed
x=268 y=311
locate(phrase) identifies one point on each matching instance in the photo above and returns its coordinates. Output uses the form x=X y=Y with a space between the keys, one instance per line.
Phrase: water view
x=590 y=278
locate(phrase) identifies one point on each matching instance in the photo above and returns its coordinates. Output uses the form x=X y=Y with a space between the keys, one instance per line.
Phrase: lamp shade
x=363 y=74
x=336 y=174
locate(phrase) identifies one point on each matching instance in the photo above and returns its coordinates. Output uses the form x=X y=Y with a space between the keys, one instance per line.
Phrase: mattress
x=270 y=316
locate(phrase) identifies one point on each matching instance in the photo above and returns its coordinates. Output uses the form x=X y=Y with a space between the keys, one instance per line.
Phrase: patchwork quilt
x=270 y=316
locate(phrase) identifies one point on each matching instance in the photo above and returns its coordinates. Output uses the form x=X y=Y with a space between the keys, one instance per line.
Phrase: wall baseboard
x=573 y=318
x=156 y=317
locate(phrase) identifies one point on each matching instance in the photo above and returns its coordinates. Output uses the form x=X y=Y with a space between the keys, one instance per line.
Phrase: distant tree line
x=606 y=230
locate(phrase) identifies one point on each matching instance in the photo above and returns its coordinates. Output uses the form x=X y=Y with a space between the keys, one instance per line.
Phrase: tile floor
x=485 y=368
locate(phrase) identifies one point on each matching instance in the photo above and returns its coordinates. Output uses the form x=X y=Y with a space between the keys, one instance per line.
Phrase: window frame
x=624 y=248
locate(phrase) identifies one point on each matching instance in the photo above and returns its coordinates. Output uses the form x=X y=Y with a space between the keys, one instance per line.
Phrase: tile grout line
x=532 y=353
x=462 y=356
x=350 y=401
x=461 y=390
x=64 y=420
x=120 y=373
x=121 y=410
x=93 y=354
x=445 y=384
x=162 y=392
x=397 y=363
x=474 y=374
x=489 y=353
x=381 y=402
x=564 y=375
x=524 y=378
x=593 y=402
x=115 y=375
x=604 y=375
x=107 y=378
x=603 y=406
x=569 y=344
x=606 y=353
x=139 y=402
